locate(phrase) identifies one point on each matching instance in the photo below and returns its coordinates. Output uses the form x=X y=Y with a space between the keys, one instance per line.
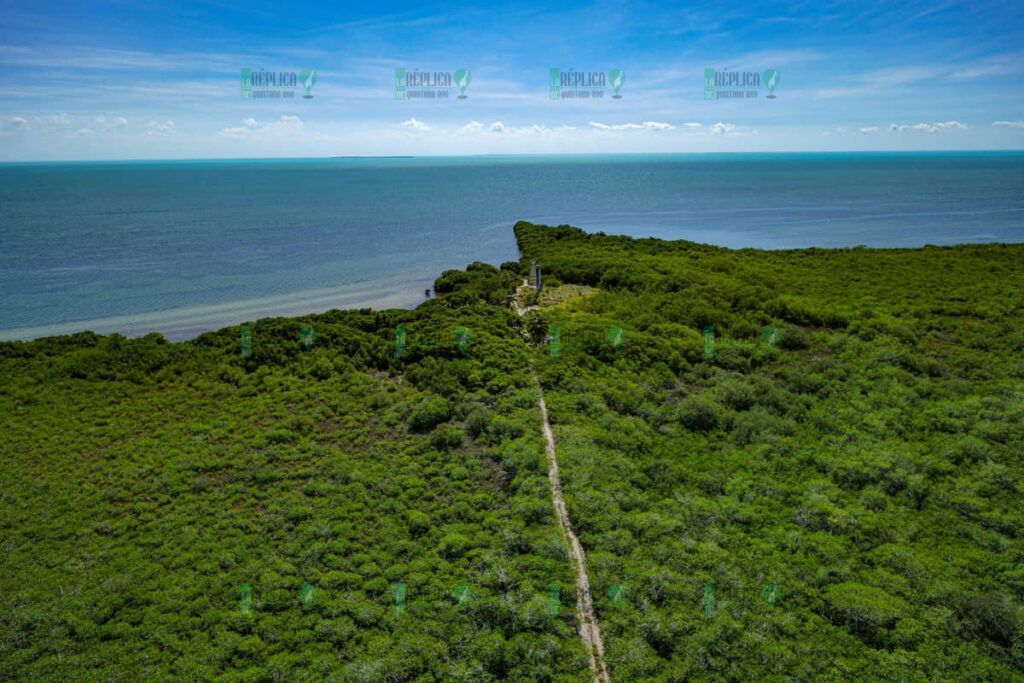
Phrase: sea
x=181 y=247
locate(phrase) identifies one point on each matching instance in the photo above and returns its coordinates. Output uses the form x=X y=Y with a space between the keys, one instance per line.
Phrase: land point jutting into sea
x=585 y=343
x=840 y=493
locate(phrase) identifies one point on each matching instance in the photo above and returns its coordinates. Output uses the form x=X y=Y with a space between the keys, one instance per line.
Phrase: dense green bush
x=428 y=413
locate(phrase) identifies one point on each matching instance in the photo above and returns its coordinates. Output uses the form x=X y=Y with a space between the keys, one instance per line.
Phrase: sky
x=145 y=80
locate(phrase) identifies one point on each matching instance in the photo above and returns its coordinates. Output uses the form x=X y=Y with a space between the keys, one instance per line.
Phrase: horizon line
x=523 y=154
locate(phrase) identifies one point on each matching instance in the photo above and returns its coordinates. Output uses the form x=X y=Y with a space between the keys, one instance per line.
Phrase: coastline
x=182 y=324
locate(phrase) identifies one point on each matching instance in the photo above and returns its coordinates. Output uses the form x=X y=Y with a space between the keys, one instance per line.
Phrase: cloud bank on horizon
x=96 y=81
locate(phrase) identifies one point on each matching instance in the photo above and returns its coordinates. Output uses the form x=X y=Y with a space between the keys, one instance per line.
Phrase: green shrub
x=794 y=338
x=446 y=437
x=865 y=610
x=428 y=413
x=991 y=615
x=698 y=414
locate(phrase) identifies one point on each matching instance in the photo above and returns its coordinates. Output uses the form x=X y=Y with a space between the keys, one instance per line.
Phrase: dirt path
x=590 y=632
x=519 y=309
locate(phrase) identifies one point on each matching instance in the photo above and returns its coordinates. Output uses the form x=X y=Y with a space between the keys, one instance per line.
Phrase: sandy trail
x=590 y=632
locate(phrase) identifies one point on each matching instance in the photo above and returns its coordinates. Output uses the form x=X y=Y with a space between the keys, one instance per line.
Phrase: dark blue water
x=180 y=247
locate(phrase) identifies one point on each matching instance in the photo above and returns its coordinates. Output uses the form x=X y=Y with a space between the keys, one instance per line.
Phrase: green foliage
x=145 y=482
x=869 y=467
x=698 y=414
x=428 y=413
x=536 y=326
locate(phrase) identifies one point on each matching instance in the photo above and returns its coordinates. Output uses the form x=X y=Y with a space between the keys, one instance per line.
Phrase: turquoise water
x=185 y=246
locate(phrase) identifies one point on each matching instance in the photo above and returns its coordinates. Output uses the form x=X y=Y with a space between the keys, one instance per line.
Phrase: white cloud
x=868 y=130
x=85 y=132
x=1010 y=124
x=252 y=129
x=18 y=123
x=165 y=128
x=119 y=122
x=497 y=127
x=472 y=127
x=692 y=125
x=646 y=125
x=416 y=125
x=722 y=128
x=927 y=127
x=57 y=119
x=101 y=119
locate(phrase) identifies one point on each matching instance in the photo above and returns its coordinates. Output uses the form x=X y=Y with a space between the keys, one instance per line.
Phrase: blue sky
x=133 y=79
